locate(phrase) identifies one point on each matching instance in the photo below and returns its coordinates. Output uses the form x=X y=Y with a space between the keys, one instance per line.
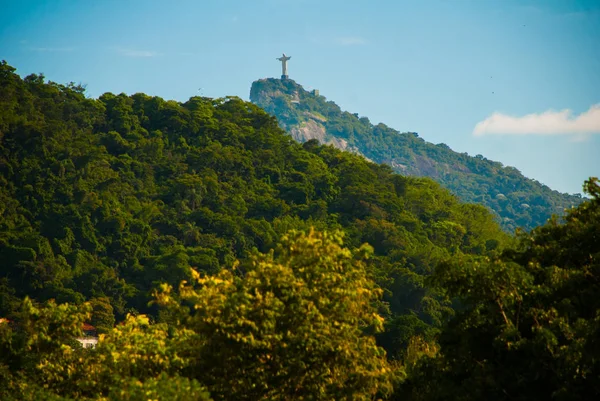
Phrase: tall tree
x=292 y=326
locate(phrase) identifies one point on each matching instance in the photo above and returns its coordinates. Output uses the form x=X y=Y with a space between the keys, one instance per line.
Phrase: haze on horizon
x=515 y=81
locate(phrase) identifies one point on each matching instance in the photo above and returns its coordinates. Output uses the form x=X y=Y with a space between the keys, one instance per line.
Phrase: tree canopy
x=293 y=326
x=529 y=325
x=220 y=259
x=102 y=200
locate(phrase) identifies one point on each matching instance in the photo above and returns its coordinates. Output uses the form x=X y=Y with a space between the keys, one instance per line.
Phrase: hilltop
x=104 y=199
x=516 y=200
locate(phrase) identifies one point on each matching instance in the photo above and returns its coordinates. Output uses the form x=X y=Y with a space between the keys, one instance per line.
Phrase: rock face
x=307 y=115
x=308 y=130
x=302 y=125
x=313 y=129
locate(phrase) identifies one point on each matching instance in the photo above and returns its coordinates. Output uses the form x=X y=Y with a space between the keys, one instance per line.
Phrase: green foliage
x=162 y=388
x=109 y=200
x=41 y=360
x=291 y=326
x=529 y=321
x=39 y=344
x=515 y=200
x=296 y=324
x=103 y=318
x=103 y=200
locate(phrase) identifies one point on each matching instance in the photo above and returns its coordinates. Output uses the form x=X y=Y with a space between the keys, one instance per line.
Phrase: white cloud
x=137 y=53
x=547 y=123
x=350 y=41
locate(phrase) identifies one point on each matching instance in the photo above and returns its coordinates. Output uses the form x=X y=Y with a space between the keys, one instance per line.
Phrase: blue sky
x=463 y=72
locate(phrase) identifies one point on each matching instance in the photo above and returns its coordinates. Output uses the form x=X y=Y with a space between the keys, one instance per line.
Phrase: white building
x=90 y=336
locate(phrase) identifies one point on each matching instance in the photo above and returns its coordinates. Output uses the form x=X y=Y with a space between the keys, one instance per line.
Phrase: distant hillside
x=516 y=201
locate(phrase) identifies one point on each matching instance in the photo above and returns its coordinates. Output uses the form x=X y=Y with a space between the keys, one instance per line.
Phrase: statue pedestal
x=285 y=76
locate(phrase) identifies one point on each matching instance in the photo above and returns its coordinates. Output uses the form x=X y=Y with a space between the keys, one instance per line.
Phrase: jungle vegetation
x=220 y=259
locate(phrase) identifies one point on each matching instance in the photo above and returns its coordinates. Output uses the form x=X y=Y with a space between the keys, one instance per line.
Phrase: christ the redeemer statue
x=284 y=60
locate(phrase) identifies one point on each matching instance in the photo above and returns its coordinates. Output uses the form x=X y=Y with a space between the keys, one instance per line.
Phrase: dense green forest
x=220 y=259
x=104 y=199
x=516 y=201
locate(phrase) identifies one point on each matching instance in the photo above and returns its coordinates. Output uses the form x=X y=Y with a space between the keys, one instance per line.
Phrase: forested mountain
x=515 y=200
x=223 y=260
x=104 y=199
